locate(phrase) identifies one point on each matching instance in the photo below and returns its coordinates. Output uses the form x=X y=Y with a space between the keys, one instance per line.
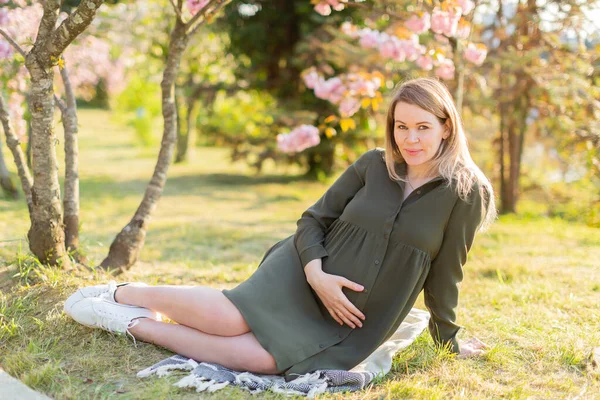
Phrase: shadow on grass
x=204 y=185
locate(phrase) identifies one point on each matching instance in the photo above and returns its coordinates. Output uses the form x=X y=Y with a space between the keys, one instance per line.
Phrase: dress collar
x=401 y=169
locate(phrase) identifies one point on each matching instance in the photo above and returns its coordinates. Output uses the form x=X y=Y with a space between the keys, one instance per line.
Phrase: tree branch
x=218 y=6
x=177 y=10
x=200 y=14
x=13 y=43
x=72 y=27
x=49 y=18
x=13 y=144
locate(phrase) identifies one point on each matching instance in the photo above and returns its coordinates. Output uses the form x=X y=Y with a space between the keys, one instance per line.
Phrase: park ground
x=531 y=289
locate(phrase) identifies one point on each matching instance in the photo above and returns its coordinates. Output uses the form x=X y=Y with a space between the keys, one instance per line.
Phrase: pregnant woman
x=396 y=222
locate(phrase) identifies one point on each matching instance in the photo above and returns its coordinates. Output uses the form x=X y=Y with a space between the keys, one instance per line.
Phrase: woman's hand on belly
x=329 y=289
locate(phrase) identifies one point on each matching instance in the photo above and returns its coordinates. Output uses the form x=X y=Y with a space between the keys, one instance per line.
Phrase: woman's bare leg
x=241 y=353
x=200 y=307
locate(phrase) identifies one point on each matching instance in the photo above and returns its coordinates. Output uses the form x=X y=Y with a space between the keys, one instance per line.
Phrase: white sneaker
x=97 y=312
x=107 y=291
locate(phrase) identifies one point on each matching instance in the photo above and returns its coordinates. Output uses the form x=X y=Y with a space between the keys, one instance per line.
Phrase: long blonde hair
x=452 y=161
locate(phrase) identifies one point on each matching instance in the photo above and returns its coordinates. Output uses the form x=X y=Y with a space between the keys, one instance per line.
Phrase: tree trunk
x=183 y=129
x=71 y=200
x=125 y=248
x=460 y=74
x=185 y=138
x=13 y=144
x=512 y=192
x=502 y=158
x=5 y=182
x=46 y=235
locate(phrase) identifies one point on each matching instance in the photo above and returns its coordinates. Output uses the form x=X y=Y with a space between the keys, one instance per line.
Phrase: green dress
x=363 y=231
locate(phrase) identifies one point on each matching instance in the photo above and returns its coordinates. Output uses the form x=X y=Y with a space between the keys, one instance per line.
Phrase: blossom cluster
x=401 y=50
x=196 y=5
x=324 y=7
x=346 y=91
x=299 y=139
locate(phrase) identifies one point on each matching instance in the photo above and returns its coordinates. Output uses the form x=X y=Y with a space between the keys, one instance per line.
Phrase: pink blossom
x=444 y=22
x=4 y=1
x=463 y=31
x=361 y=87
x=445 y=70
x=332 y=89
x=323 y=8
x=466 y=6
x=299 y=139
x=425 y=63
x=411 y=48
x=3 y=16
x=349 y=29
x=475 y=54
x=369 y=38
x=419 y=23
x=6 y=50
x=196 y=5
x=337 y=5
x=311 y=79
x=390 y=47
x=349 y=106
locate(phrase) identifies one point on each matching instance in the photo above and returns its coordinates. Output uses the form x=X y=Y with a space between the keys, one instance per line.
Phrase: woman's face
x=418 y=133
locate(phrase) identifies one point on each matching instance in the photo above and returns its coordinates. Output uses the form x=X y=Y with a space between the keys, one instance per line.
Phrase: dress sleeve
x=441 y=285
x=315 y=221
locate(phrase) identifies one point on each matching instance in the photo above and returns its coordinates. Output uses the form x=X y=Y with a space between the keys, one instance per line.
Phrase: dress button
x=385 y=236
x=418 y=192
x=376 y=262
x=321 y=345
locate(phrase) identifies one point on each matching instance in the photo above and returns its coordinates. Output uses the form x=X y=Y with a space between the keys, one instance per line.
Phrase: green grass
x=531 y=288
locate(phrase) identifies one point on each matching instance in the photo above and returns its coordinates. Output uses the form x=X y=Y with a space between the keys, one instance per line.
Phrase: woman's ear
x=447 y=130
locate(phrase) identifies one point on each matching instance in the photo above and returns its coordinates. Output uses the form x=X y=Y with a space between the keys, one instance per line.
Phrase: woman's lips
x=412 y=152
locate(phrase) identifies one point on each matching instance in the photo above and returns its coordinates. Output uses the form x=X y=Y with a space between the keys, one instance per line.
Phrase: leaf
x=331 y=118
x=347 y=123
x=375 y=103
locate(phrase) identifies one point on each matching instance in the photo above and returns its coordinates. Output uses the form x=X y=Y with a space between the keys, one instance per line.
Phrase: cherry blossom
x=311 y=78
x=331 y=89
x=196 y=5
x=475 y=53
x=466 y=6
x=369 y=38
x=425 y=62
x=419 y=23
x=444 y=22
x=349 y=106
x=445 y=70
x=324 y=7
x=299 y=139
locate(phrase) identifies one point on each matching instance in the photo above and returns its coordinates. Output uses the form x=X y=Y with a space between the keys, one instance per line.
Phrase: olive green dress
x=363 y=231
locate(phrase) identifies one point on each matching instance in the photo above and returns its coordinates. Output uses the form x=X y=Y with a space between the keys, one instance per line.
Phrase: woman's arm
x=441 y=285
x=314 y=222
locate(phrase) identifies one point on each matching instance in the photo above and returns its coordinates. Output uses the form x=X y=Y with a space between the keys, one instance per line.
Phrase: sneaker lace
x=116 y=326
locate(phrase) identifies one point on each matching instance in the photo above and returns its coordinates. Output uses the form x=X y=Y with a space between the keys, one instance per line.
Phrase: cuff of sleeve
x=445 y=340
x=312 y=253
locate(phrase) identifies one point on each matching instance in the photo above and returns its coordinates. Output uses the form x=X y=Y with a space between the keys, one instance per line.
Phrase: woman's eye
x=420 y=126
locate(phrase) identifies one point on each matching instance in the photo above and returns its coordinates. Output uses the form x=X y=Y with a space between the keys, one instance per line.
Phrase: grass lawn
x=531 y=288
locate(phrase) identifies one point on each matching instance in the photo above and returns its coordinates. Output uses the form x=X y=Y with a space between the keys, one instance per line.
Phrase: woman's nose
x=412 y=136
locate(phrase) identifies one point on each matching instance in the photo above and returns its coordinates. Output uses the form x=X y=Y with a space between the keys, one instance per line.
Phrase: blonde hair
x=452 y=160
